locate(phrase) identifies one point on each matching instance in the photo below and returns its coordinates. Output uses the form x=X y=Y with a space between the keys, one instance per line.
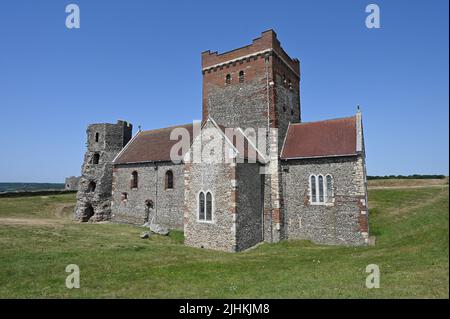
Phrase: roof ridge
x=328 y=120
x=165 y=128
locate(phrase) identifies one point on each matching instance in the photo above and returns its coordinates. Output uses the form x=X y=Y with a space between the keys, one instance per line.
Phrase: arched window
x=321 y=189
x=96 y=137
x=228 y=79
x=95 y=158
x=169 y=180
x=205 y=206
x=241 y=76
x=201 y=206
x=208 y=206
x=134 y=179
x=91 y=187
x=313 y=189
x=329 y=189
x=321 y=197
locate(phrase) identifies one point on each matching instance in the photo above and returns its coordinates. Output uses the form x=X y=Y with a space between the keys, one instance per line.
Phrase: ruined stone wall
x=167 y=203
x=71 y=183
x=249 y=228
x=104 y=142
x=344 y=221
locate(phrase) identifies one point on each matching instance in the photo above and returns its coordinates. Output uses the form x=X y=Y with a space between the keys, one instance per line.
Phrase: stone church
x=272 y=178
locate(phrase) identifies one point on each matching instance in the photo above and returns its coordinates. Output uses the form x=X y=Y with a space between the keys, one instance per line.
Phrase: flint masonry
x=307 y=181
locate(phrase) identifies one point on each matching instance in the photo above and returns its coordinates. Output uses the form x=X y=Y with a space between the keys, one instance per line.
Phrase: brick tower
x=104 y=142
x=256 y=86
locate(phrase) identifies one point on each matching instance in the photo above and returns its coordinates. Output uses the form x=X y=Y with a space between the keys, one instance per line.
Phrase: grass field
x=38 y=239
x=399 y=183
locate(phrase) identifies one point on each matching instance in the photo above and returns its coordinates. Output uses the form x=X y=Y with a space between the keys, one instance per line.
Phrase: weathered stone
x=145 y=235
x=104 y=142
x=158 y=229
x=167 y=204
x=71 y=183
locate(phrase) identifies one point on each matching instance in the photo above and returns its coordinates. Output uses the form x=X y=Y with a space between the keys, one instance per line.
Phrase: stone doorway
x=88 y=213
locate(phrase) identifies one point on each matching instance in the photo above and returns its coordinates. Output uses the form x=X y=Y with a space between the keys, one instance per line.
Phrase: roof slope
x=337 y=137
x=241 y=143
x=150 y=146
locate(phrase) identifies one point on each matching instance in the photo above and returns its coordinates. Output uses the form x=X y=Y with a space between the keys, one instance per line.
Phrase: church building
x=250 y=171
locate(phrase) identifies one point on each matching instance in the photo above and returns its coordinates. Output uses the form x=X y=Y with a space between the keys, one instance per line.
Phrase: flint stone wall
x=340 y=223
x=167 y=203
x=96 y=205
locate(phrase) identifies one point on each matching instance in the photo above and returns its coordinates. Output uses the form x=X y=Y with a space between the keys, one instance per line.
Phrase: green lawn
x=38 y=240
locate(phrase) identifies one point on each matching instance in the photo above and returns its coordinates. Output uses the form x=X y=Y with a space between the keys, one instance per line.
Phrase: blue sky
x=140 y=61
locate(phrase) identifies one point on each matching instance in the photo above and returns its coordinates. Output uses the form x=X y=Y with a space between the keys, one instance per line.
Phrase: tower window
x=96 y=158
x=97 y=137
x=241 y=76
x=228 y=79
x=91 y=187
x=134 y=179
x=169 y=180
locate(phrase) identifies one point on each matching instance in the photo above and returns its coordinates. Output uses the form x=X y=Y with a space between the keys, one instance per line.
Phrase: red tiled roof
x=150 y=146
x=328 y=138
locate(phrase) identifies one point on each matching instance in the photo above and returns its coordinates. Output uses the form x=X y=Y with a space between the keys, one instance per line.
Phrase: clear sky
x=140 y=61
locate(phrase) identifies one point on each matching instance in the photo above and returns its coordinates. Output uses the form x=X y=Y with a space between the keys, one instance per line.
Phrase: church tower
x=256 y=86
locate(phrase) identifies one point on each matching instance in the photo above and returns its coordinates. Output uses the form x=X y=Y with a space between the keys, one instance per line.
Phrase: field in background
x=14 y=187
x=38 y=239
x=407 y=182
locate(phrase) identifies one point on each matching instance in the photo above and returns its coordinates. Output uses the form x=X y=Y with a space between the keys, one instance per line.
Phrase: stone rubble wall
x=111 y=139
x=167 y=203
x=338 y=223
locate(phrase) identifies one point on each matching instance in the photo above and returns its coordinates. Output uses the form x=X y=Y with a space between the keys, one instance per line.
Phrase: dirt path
x=61 y=218
x=32 y=221
x=59 y=210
